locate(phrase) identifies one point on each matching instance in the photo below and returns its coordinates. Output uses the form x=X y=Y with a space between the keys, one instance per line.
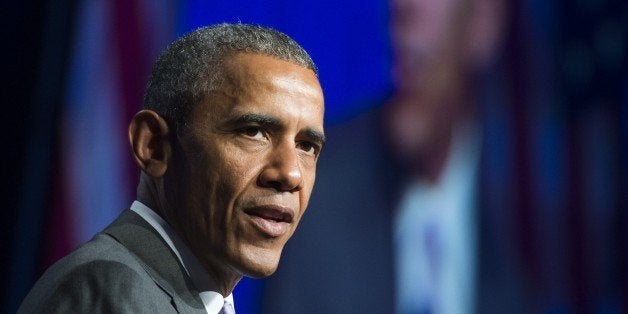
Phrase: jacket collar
x=157 y=259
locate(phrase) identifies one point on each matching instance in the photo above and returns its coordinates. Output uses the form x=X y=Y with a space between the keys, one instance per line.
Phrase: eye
x=253 y=132
x=309 y=148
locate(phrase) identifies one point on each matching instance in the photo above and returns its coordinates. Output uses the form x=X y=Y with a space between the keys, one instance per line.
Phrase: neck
x=224 y=281
x=430 y=163
x=148 y=194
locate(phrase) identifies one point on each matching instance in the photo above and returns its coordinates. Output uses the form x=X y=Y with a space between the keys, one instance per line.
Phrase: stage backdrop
x=76 y=70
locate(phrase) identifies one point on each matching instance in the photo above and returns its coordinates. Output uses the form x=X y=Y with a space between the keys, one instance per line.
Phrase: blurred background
x=517 y=110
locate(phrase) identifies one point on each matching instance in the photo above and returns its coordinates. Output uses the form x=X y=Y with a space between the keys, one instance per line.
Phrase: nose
x=283 y=171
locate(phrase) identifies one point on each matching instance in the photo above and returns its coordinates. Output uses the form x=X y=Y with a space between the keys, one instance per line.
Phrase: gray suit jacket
x=126 y=268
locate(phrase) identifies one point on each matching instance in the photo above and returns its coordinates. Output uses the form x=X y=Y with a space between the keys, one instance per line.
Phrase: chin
x=260 y=273
x=259 y=262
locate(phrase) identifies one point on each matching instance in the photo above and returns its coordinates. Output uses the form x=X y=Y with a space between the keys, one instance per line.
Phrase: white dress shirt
x=435 y=236
x=212 y=300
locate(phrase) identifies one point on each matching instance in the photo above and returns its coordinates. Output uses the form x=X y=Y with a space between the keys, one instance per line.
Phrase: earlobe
x=150 y=145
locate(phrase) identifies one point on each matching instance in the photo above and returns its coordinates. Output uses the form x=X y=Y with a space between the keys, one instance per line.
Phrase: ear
x=487 y=27
x=150 y=144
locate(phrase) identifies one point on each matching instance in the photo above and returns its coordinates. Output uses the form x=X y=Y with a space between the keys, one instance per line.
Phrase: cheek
x=206 y=195
x=232 y=177
x=308 y=186
x=243 y=165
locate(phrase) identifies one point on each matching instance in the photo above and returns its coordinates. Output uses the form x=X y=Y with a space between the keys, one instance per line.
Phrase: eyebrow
x=316 y=136
x=274 y=123
x=261 y=119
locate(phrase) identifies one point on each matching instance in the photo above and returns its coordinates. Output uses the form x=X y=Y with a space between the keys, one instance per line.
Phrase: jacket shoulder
x=101 y=275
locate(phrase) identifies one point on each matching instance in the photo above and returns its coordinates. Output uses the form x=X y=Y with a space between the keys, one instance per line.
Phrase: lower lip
x=270 y=227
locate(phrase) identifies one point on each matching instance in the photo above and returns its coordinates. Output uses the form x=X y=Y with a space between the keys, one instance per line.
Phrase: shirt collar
x=207 y=288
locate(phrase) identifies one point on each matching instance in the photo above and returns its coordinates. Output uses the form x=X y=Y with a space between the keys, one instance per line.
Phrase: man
x=399 y=224
x=227 y=144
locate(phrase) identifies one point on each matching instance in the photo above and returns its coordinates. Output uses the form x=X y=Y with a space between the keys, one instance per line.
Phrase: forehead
x=252 y=68
x=263 y=83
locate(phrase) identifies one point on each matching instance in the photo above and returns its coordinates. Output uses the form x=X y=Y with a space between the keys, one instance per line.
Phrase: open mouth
x=272 y=220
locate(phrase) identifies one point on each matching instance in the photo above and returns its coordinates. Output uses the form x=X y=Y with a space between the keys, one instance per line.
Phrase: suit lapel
x=159 y=261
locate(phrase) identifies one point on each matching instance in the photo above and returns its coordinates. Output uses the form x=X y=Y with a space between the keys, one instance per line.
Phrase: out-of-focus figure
x=433 y=127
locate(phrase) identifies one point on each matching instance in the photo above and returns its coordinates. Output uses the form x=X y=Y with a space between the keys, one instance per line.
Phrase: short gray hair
x=192 y=66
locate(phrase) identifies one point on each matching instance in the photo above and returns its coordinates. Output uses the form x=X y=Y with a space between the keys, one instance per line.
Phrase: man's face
x=246 y=165
x=424 y=33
